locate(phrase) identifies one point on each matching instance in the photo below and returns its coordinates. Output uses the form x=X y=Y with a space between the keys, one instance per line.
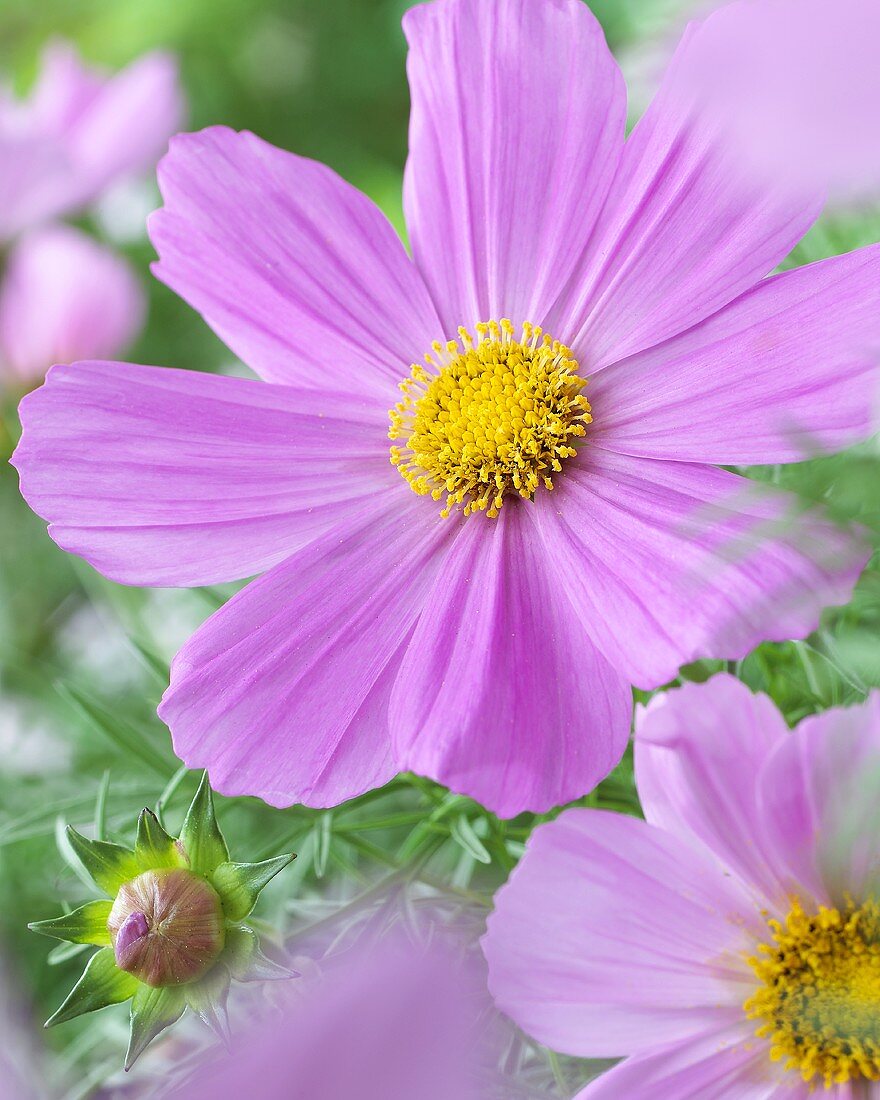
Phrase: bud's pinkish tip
x=134 y=928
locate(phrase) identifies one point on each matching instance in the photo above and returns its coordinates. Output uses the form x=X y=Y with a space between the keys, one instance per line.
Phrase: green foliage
x=160 y=996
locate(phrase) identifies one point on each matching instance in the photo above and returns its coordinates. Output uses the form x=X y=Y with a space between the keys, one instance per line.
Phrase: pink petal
x=64 y=92
x=169 y=477
x=612 y=937
x=386 y=1020
x=797 y=85
x=819 y=802
x=127 y=124
x=517 y=128
x=297 y=271
x=81 y=131
x=283 y=693
x=789 y=370
x=726 y=1064
x=698 y=754
x=501 y=694
x=31 y=170
x=64 y=297
x=685 y=231
x=670 y=562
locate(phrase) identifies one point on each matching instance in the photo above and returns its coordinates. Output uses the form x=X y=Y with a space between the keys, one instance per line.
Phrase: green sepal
x=200 y=836
x=154 y=848
x=152 y=1010
x=207 y=999
x=239 y=884
x=101 y=984
x=245 y=960
x=110 y=865
x=88 y=924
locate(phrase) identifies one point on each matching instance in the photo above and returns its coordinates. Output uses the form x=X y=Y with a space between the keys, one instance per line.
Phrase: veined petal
x=297 y=271
x=501 y=694
x=171 y=477
x=724 y=1063
x=283 y=692
x=698 y=753
x=670 y=562
x=518 y=112
x=789 y=370
x=612 y=936
x=819 y=804
x=684 y=232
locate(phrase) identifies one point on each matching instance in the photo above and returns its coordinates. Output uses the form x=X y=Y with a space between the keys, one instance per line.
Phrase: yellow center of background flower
x=819 y=1001
x=489 y=416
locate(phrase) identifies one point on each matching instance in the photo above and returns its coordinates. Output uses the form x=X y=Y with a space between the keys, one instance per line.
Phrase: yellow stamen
x=490 y=416
x=819 y=1001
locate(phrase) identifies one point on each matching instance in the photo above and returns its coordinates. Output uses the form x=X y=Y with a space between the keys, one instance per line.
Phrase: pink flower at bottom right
x=728 y=946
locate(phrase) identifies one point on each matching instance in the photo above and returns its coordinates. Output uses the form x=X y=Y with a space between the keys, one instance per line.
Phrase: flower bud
x=167 y=927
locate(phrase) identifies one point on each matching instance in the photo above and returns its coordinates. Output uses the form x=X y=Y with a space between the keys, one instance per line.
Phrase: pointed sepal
x=207 y=999
x=245 y=960
x=200 y=836
x=240 y=884
x=109 y=865
x=88 y=924
x=154 y=848
x=152 y=1010
x=101 y=984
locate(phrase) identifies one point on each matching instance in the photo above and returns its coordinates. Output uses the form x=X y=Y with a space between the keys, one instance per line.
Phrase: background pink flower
x=79 y=131
x=493 y=655
x=618 y=937
x=796 y=85
x=64 y=296
x=396 y=1021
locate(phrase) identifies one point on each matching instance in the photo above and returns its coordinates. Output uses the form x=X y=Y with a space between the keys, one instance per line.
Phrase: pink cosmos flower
x=730 y=943
x=79 y=131
x=591 y=540
x=63 y=296
x=398 y=1023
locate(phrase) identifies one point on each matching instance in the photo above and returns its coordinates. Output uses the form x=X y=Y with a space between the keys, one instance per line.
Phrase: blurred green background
x=83 y=662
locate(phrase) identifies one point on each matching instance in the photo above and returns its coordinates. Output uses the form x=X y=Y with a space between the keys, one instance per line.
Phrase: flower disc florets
x=819 y=1002
x=489 y=417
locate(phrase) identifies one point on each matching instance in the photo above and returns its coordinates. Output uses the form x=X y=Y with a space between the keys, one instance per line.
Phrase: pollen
x=489 y=417
x=818 y=1004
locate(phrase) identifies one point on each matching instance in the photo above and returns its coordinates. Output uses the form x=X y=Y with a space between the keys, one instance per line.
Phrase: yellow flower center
x=488 y=417
x=819 y=1002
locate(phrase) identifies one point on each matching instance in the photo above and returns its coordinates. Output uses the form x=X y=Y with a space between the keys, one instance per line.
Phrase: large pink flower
x=730 y=943
x=80 y=131
x=491 y=652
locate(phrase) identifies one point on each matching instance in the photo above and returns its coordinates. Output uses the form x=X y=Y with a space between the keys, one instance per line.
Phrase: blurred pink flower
x=491 y=652
x=79 y=131
x=20 y=1066
x=730 y=943
x=796 y=83
x=63 y=297
x=397 y=1023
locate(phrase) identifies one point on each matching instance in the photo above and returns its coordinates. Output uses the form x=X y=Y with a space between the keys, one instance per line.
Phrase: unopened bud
x=167 y=927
